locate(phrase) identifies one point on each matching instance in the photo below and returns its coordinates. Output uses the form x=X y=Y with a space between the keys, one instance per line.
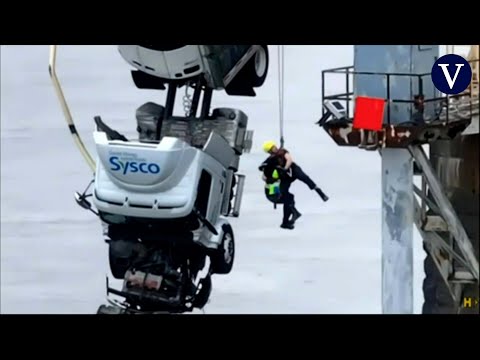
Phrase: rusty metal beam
x=343 y=133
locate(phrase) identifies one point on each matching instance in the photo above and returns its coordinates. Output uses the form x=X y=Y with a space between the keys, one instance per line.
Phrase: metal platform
x=449 y=121
x=394 y=136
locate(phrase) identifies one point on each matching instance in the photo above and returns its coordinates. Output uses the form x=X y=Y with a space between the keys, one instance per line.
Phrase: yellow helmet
x=268 y=145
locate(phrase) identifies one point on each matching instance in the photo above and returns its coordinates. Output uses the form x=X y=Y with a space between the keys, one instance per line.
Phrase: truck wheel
x=223 y=258
x=255 y=71
x=258 y=66
x=109 y=310
x=102 y=310
x=201 y=299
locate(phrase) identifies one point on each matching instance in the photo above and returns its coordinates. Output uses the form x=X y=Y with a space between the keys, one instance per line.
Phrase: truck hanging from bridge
x=165 y=197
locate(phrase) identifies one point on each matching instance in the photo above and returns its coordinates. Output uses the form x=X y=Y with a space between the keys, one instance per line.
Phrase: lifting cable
x=281 y=58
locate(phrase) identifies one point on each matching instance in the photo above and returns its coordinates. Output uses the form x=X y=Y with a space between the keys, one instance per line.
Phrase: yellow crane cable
x=66 y=111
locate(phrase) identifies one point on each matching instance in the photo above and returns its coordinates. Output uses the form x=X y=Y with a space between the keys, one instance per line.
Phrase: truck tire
x=256 y=69
x=223 y=258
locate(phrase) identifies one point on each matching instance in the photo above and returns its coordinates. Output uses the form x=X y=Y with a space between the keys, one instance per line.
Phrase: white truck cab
x=235 y=68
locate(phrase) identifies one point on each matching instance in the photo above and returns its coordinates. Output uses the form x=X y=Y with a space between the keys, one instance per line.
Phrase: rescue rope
x=281 y=91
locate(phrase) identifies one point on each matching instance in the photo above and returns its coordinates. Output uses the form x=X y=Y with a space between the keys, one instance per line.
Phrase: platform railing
x=347 y=97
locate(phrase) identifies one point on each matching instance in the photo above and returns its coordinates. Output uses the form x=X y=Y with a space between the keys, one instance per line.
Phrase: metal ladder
x=442 y=231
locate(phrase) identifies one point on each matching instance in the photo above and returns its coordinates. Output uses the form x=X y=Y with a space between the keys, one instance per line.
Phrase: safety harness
x=272 y=190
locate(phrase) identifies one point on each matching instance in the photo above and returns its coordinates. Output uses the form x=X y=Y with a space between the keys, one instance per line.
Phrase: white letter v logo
x=447 y=74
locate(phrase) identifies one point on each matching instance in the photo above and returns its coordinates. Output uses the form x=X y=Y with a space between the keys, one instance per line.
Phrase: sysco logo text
x=133 y=166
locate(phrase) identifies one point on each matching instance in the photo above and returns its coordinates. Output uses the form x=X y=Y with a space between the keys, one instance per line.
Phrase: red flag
x=368 y=113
